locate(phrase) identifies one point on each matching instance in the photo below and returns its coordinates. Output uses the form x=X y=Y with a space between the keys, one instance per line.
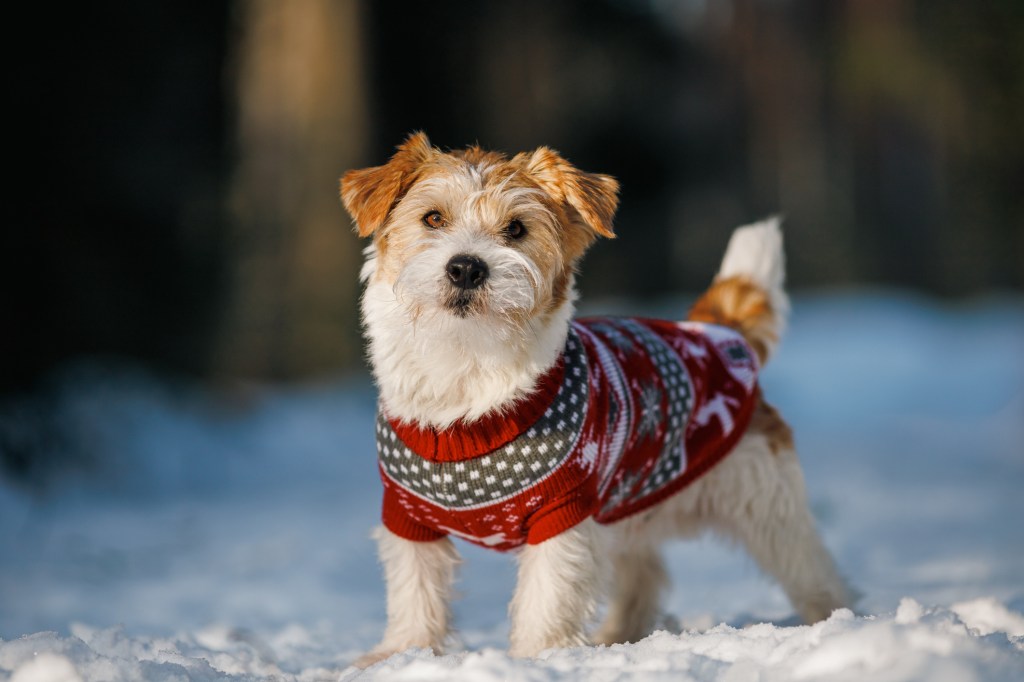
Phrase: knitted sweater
x=633 y=411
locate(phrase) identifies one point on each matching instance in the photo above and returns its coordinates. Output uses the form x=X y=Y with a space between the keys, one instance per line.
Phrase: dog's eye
x=434 y=219
x=515 y=230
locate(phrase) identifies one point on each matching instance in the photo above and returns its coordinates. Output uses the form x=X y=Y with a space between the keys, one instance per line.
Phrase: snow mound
x=916 y=643
x=979 y=640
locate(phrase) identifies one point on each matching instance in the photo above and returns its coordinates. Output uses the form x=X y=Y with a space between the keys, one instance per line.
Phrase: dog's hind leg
x=639 y=581
x=756 y=496
x=786 y=545
x=419 y=578
x=557 y=591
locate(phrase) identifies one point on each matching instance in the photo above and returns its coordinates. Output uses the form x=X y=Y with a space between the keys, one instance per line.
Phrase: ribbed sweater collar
x=466 y=440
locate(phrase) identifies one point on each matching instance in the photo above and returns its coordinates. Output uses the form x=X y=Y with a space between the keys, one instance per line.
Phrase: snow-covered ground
x=225 y=535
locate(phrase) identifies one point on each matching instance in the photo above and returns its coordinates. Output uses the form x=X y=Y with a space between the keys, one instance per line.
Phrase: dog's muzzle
x=467 y=274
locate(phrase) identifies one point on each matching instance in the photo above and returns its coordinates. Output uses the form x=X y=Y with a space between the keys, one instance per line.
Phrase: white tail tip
x=755 y=252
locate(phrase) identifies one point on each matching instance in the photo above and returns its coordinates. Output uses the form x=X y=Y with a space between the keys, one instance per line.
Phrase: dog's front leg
x=419 y=578
x=557 y=591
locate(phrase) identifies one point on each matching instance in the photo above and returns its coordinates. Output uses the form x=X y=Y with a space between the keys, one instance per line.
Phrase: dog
x=579 y=444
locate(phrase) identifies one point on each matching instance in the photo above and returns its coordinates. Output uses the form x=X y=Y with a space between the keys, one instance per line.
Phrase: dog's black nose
x=467 y=272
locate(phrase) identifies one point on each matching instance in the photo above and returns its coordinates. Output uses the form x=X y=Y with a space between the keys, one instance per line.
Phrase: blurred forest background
x=179 y=204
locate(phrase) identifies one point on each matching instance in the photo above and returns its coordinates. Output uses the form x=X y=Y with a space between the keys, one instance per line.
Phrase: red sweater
x=633 y=411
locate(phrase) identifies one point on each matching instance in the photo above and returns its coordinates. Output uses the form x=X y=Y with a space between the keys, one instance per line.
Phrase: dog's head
x=475 y=235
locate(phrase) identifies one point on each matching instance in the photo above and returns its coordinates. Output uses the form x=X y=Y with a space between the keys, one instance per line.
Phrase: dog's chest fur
x=633 y=411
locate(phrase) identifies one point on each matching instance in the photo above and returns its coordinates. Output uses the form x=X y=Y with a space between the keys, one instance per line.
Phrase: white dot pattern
x=503 y=473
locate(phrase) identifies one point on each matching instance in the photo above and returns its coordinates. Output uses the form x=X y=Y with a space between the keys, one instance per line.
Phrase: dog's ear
x=369 y=194
x=592 y=195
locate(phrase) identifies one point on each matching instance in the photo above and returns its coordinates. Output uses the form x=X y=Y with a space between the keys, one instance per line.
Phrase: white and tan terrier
x=580 y=444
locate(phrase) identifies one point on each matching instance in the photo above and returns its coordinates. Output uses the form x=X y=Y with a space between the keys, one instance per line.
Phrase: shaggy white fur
x=436 y=368
x=755 y=497
x=419 y=578
x=557 y=591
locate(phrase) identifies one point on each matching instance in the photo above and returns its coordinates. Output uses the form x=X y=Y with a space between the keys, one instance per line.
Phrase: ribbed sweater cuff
x=558 y=520
x=404 y=527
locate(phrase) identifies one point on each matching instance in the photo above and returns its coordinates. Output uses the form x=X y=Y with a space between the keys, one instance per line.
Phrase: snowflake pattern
x=672 y=423
x=649 y=412
x=621 y=491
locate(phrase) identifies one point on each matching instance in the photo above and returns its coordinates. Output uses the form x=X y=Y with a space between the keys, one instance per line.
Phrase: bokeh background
x=181 y=208
x=186 y=443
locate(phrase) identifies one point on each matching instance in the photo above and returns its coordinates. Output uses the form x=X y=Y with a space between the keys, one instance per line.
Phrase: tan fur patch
x=593 y=196
x=739 y=303
x=768 y=422
x=479 y=157
x=370 y=194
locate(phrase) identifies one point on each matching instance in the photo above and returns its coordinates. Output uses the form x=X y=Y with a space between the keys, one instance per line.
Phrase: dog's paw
x=385 y=650
x=373 y=656
x=531 y=647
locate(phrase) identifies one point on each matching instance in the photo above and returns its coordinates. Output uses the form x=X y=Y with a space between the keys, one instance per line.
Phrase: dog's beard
x=461 y=303
x=510 y=296
x=425 y=354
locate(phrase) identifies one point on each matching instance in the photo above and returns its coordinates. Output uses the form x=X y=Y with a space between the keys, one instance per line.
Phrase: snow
x=224 y=535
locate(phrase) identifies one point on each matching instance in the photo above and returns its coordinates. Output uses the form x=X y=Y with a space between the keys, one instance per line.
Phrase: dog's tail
x=747 y=293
